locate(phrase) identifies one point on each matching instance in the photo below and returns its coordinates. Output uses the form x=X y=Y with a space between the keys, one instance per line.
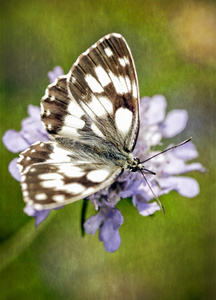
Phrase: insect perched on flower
x=92 y=119
x=93 y=115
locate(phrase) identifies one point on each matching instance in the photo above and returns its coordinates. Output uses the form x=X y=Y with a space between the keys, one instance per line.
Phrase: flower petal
x=117 y=218
x=185 y=186
x=130 y=187
x=147 y=209
x=186 y=152
x=178 y=166
x=32 y=127
x=14 y=170
x=93 y=223
x=57 y=71
x=174 y=123
x=109 y=236
x=39 y=215
x=34 y=112
x=156 y=110
x=14 y=141
x=143 y=206
x=194 y=167
x=33 y=132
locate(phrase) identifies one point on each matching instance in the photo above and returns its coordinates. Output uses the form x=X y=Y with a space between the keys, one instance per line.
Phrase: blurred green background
x=161 y=257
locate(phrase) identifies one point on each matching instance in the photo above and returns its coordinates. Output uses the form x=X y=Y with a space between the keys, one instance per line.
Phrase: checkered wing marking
x=52 y=177
x=98 y=97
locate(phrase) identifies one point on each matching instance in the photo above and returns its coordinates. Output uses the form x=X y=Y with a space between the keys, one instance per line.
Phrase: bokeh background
x=161 y=257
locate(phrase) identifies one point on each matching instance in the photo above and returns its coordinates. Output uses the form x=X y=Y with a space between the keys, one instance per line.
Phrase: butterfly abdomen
x=100 y=151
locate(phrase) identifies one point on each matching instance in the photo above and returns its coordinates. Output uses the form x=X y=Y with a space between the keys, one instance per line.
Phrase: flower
x=154 y=126
x=108 y=220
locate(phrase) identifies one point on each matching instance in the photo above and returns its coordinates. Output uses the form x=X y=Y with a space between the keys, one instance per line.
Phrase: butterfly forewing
x=93 y=115
x=104 y=83
x=102 y=96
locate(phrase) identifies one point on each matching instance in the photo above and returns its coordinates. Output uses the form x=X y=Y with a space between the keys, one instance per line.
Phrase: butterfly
x=92 y=115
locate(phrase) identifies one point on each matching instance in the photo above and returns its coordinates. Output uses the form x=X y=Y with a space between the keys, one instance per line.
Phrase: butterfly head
x=136 y=165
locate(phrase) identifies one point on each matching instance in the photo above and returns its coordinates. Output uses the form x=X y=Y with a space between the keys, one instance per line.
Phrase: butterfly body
x=92 y=116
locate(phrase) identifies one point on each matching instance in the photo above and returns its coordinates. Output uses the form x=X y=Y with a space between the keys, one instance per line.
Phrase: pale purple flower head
x=154 y=126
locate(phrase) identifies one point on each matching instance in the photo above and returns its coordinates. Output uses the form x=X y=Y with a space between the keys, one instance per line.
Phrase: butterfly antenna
x=158 y=201
x=170 y=148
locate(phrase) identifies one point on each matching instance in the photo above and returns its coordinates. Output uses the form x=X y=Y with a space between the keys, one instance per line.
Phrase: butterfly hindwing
x=54 y=178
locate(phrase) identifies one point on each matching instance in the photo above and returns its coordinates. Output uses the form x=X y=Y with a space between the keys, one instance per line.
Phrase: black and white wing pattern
x=51 y=177
x=92 y=113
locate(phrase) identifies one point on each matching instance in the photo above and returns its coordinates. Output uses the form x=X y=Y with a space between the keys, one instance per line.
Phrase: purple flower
x=108 y=220
x=154 y=126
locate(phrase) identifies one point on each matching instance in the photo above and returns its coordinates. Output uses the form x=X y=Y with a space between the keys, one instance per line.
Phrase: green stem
x=20 y=240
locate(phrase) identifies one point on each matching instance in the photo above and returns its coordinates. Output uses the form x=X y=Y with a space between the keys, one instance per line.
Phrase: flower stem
x=20 y=240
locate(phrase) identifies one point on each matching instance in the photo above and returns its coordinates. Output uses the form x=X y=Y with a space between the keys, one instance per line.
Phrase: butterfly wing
x=99 y=96
x=53 y=177
x=93 y=115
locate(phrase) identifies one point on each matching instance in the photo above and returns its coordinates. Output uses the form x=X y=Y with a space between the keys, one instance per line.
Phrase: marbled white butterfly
x=92 y=114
